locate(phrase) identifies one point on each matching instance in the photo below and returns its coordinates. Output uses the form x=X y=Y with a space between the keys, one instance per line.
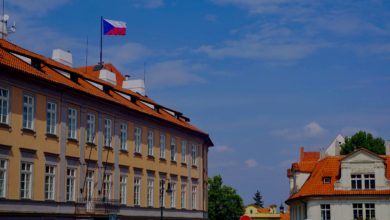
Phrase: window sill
x=137 y=154
x=5 y=126
x=28 y=131
x=73 y=140
x=91 y=144
x=108 y=147
x=163 y=159
x=124 y=151
x=150 y=157
x=51 y=136
x=194 y=166
x=183 y=164
x=173 y=162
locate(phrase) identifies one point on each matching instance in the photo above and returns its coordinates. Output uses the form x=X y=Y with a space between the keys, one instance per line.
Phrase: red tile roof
x=48 y=71
x=330 y=167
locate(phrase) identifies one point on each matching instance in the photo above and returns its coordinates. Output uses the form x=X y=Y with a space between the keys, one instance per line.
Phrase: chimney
x=107 y=76
x=135 y=85
x=387 y=146
x=63 y=57
x=301 y=152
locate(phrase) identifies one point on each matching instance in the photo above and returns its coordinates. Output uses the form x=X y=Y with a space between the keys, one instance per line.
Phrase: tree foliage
x=224 y=202
x=363 y=140
x=258 y=199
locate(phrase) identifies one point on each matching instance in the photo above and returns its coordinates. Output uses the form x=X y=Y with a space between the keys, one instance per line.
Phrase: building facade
x=326 y=186
x=84 y=143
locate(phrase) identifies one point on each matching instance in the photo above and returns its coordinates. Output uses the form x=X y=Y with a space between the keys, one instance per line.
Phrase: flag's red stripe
x=116 y=31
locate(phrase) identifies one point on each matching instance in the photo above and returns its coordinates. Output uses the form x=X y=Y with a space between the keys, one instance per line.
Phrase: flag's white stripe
x=118 y=24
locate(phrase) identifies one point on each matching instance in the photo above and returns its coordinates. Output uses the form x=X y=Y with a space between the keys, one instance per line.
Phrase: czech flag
x=111 y=27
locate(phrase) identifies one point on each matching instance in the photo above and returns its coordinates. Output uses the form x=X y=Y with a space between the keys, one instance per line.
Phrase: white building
x=331 y=186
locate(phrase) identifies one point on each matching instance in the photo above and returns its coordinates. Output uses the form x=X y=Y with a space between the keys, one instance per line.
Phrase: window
x=107 y=132
x=28 y=112
x=173 y=149
x=137 y=140
x=173 y=195
x=193 y=154
x=183 y=196
x=25 y=180
x=137 y=191
x=3 y=177
x=358 y=179
x=50 y=174
x=72 y=123
x=150 y=192
x=90 y=185
x=325 y=212
x=369 y=181
x=107 y=185
x=370 y=211
x=183 y=151
x=51 y=118
x=150 y=142
x=358 y=211
x=123 y=189
x=193 y=199
x=123 y=136
x=162 y=198
x=162 y=146
x=70 y=184
x=4 y=105
x=90 y=128
x=326 y=180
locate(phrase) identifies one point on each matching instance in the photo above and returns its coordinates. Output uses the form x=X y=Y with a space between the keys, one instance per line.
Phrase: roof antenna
x=86 y=57
x=4 y=29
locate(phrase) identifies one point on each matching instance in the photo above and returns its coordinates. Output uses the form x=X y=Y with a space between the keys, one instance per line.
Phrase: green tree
x=363 y=140
x=224 y=202
x=258 y=199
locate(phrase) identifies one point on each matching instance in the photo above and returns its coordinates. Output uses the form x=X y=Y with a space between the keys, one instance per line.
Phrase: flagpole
x=101 y=40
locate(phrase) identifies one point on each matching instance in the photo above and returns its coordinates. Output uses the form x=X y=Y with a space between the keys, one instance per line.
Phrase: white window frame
x=362 y=181
x=173 y=194
x=107 y=132
x=162 y=146
x=137 y=190
x=194 y=196
x=50 y=182
x=137 y=139
x=150 y=142
x=26 y=177
x=173 y=148
x=123 y=189
x=28 y=111
x=90 y=185
x=183 y=196
x=4 y=106
x=72 y=123
x=91 y=129
x=325 y=212
x=358 y=209
x=369 y=212
x=194 y=155
x=71 y=184
x=150 y=192
x=184 y=151
x=3 y=177
x=123 y=136
x=51 y=118
x=107 y=186
x=369 y=181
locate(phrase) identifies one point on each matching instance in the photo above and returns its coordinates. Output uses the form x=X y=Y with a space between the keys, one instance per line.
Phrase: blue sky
x=263 y=77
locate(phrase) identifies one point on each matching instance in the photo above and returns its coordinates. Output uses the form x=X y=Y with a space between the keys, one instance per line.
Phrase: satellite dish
x=5 y=17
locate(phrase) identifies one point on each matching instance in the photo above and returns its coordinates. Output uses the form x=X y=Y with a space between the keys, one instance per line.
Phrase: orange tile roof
x=284 y=216
x=263 y=210
x=49 y=72
x=330 y=167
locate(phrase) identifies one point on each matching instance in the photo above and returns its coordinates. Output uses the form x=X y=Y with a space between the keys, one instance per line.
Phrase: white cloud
x=260 y=6
x=251 y=163
x=222 y=149
x=126 y=53
x=173 y=73
x=211 y=17
x=311 y=130
x=149 y=3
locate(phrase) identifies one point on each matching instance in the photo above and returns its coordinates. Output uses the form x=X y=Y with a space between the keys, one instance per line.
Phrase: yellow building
x=88 y=143
x=253 y=212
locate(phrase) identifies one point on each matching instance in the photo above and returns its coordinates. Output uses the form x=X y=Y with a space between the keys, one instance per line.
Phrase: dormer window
x=326 y=180
x=357 y=181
